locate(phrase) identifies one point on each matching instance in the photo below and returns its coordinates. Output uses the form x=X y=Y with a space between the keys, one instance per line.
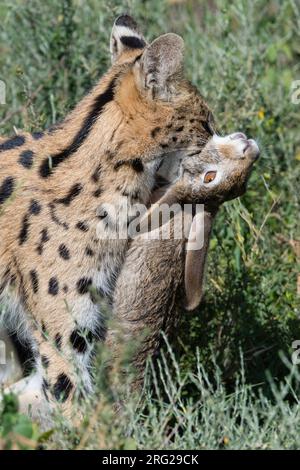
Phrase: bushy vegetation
x=243 y=56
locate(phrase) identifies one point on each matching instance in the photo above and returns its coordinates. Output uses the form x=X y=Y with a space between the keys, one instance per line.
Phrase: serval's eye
x=210 y=176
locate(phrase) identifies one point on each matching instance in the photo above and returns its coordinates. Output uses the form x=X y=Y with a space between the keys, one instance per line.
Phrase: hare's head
x=220 y=172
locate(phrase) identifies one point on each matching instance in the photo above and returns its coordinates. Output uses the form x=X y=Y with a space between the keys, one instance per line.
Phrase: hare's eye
x=210 y=176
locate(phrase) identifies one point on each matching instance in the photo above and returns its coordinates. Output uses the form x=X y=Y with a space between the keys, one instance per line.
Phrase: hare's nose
x=237 y=135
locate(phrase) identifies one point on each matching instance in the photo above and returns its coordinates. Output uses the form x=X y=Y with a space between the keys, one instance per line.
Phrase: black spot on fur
x=110 y=155
x=65 y=289
x=45 y=384
x=45 y=361
x=34 y=281
x=103 y=214
x=37 y=135
x=133 y=42
x=6 y=189
x=55 y=218
x=64 y=252
x=179 y=129
x=44 y=239
x=96 y=174
x=98 y=192
x=53 y=286
x=83 y=285
x=23 y=235
x=79 y=341
x=82 y=226
x=26 y=159
x=14 y=142
x=62 y=387
x=58 y=341
x=135 y=163
x=72 y=194
x=96 y=109
x=89 y=252
x=35 y=207
x=55 y=127
x=44 y=328
x=119 y=164
x=45 y=388
x=155 y=131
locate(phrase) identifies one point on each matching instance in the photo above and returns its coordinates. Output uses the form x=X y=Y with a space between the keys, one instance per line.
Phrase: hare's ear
x=160 y=66
x=125 y=36
x=195 y=258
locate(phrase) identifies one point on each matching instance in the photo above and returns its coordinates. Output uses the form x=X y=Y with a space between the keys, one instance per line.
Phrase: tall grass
x=243 y=56
x=168 y=418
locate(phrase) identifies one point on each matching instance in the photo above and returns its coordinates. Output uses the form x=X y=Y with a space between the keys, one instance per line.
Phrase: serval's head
x=165 y=113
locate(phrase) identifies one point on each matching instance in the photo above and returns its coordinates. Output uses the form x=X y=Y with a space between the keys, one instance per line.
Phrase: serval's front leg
x=65 y=348
x=59 y=374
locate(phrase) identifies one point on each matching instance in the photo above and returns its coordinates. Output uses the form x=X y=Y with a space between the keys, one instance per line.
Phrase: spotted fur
x=54 y=264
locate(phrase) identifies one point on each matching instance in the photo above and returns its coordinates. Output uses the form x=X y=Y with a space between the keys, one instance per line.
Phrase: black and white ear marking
x=161 y=64
x=125 y=36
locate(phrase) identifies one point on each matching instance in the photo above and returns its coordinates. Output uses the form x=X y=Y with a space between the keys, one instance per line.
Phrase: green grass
x=243 y=56
x=168 y=418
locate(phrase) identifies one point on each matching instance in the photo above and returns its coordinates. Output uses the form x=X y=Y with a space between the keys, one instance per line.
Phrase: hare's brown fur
x=150 y=293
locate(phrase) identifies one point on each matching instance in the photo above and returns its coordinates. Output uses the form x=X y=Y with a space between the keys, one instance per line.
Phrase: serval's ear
x=125 y=36
x=161 y=65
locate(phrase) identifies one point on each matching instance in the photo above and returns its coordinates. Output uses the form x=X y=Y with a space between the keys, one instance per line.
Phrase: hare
x=161 y=276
